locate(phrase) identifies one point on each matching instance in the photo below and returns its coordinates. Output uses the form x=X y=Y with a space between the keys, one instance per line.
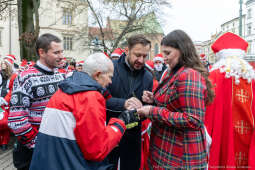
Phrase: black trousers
x=129 y=151
x=22 y=156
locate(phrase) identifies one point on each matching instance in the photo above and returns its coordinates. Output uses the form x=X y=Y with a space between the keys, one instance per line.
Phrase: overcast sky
x=201 y=18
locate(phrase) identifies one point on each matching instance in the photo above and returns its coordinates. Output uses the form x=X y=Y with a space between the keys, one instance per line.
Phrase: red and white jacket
x=74 y=127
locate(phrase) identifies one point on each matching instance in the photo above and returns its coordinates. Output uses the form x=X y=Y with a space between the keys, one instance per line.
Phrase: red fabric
x=3 y=119
x=177 y=134
x=229 y=41
x=4 y=129
x=155 y=85
x=146 y=124
x=61 y=70
x=219 y=123
x=94 y=137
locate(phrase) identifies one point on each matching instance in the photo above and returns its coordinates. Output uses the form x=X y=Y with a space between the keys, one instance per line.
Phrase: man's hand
x=133 y=103
x=147 y=97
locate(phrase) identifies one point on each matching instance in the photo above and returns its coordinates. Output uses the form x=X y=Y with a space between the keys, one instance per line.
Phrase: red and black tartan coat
x=178 y=135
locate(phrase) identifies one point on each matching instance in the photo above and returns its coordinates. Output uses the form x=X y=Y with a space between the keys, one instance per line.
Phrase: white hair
x=96 y=62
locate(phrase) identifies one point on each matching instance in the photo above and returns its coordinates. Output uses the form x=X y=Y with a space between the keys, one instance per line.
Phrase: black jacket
x=125 y=84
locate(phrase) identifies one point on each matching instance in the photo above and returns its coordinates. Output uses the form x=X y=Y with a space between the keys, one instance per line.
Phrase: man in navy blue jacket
x=129 y=81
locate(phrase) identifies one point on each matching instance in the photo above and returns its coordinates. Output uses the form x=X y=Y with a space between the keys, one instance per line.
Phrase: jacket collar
x=44 y=69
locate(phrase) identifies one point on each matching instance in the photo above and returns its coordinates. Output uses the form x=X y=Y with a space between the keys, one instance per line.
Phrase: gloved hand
x=3 y=101
x=129 y=116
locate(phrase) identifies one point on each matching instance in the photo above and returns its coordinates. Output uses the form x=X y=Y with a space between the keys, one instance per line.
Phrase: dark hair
x=44 y=42
x=137 y=39
x=189 y=58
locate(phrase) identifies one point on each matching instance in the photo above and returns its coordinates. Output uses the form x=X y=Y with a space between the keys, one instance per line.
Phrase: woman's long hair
x=8 y=71
x=189 y=58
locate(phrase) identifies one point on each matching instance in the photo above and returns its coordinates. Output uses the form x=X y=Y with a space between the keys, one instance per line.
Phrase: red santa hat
x=10 y=59
x=149 y=64
x=158 y=57
x=230 y=44
x=80 y=63
x=203 y=57
x=230 y=48
x=117 y=52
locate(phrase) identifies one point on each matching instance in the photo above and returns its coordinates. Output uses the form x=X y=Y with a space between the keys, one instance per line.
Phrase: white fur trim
x=115 y=55
x=235 y=67
x=158 y=59
x=7 y=61
x=230 y=52
x=11 y=58
x=149 y=67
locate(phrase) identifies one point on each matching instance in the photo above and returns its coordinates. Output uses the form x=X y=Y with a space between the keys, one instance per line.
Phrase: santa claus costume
x=230 y=118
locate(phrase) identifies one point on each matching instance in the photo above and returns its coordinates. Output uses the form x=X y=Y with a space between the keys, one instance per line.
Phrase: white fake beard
x=158 y=67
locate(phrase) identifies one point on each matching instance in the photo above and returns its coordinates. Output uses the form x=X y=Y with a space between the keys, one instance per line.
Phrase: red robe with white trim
x=230 y=122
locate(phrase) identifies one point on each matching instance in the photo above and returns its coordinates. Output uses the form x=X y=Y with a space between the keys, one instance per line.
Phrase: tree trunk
x=28 y=21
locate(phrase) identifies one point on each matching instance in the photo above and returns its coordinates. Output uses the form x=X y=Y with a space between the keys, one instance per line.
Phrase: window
x=67 y=17
x=249 y=47
x=249 y=14
x=249 y=29
x=1 y=30
x=68 y=42
x=156 y=49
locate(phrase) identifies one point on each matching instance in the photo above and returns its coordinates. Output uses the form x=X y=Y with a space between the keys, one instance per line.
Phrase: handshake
x=130 y=117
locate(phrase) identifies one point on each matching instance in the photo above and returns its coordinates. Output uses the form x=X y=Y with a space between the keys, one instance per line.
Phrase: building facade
x=151 y=29
x=248 y=31
x=69 y=23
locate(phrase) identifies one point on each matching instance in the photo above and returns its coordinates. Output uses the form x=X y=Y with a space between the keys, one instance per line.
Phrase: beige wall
x=51 y=22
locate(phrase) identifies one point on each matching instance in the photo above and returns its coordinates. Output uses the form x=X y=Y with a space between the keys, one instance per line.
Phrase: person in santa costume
x=79 y=65
x=7 y=77
x=230 y=118
x=159 y=66
x=116 y=53
x=205 y=61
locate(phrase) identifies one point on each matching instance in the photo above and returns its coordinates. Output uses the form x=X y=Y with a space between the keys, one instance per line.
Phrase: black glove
x=129 y=116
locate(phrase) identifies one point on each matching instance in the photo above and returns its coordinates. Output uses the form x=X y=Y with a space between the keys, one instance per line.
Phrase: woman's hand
x=133 y=103
x=144 y=111
x=147 y=97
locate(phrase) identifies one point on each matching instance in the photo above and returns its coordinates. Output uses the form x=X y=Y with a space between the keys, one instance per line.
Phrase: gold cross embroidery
x=241 y=158
x=242 y=95
x=242 y=127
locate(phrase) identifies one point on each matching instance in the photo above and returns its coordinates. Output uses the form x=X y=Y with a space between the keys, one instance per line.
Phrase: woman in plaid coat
x=178 y=134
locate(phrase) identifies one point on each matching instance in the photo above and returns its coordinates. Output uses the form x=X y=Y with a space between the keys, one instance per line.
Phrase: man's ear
x=41 y=52
x=96 y=75
x=126 y=51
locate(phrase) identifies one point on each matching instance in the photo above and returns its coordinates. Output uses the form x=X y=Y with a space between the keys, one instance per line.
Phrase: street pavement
x=6 y=160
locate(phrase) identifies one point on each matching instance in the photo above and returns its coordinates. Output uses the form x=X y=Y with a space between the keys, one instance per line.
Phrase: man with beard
x=129 y=81
x=32 y=90
x=159 y=66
